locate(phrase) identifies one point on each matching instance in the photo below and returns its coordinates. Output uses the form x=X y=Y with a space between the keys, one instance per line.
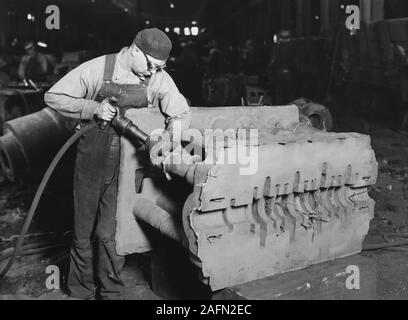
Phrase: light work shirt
x=74 y=95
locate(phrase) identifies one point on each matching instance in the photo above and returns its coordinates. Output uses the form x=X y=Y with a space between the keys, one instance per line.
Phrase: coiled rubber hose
x=38 y=194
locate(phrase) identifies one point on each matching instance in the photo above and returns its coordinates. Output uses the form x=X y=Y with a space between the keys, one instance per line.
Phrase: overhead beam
x=372 y=10
x=284 y=14
x=329 y=15
x=303 y=18
x=4 y=21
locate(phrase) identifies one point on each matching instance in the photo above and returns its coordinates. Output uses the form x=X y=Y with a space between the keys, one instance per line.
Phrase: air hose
x=34 y=248
x=119 y=122
x=19 y=246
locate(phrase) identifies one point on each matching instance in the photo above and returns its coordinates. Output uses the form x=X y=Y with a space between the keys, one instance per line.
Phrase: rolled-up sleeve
x=163 y=93
x=73 y=95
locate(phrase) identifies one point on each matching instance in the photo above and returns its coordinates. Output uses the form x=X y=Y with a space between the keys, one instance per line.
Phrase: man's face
x=144 y=65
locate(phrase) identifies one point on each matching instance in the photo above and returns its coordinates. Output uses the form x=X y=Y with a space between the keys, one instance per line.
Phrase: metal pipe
x=130 y=131
x=31 y=141
x=159 y=219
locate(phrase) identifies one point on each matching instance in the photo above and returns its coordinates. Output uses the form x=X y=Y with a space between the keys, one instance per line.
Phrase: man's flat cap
x=154 y=42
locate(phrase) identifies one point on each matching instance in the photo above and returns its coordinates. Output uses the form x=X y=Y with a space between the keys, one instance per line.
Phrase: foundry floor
x=27 y=278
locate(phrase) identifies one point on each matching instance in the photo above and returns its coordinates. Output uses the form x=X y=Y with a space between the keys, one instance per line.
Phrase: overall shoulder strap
x=109 y=67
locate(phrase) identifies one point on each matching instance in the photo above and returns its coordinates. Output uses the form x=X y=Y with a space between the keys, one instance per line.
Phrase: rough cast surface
x=306 y=202
x=130 y=238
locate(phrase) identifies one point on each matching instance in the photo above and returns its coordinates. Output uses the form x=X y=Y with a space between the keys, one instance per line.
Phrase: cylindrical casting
x=31 y=141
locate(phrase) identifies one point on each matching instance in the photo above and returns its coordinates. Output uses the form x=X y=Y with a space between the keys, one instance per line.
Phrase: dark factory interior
x=203 y=149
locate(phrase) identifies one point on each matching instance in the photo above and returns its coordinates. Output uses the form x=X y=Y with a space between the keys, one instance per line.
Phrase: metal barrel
x=30 y=142
x=17 y=102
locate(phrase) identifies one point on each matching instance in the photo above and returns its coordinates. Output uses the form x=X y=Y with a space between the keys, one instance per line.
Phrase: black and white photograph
x=204 y=156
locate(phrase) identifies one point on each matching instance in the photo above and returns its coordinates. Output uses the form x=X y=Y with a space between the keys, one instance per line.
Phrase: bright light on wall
x=30 y=17
x=167 y=29
x=42 y=44
x=187 y=31
x=194 y=31
x=194 y=23
x=176 y=30
x=171 y=5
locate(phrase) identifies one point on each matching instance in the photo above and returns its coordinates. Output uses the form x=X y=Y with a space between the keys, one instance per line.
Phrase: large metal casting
x=305 y=203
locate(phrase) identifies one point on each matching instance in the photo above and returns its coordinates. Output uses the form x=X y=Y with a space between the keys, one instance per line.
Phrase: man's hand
x=105 y=111
x=159 y=148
